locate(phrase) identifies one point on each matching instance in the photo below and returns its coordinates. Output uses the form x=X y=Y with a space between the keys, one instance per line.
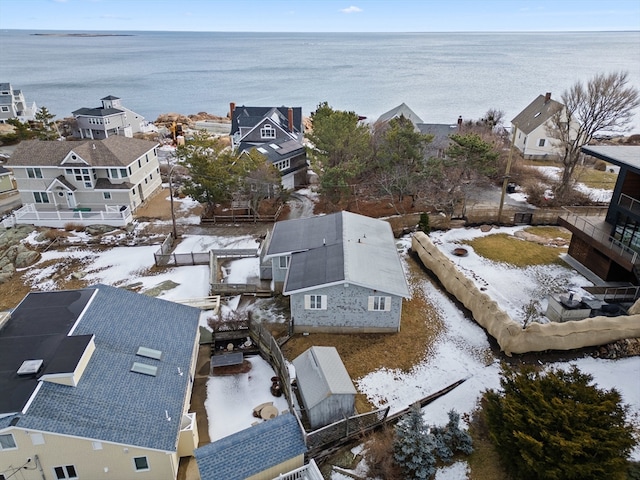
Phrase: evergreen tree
x=556 y=425
x=414 y=445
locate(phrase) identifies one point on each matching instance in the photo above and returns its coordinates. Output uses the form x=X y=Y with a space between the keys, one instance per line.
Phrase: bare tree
x=604 y=104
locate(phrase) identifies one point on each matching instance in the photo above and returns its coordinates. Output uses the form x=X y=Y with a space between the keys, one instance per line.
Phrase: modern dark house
x=610 y=246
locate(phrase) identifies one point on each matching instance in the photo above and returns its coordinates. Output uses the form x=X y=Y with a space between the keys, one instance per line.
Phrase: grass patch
x=596 y=179
x=514 y=251
x=550 y=232
x=362 y=354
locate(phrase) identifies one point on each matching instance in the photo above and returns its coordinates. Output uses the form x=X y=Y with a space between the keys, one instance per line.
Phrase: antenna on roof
x=166 y=412
x=179 y=371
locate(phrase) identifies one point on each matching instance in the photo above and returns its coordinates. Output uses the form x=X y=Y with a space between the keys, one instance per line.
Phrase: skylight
x=274 y=146
x=261 y=150
x=149 y=353
x=144 y=369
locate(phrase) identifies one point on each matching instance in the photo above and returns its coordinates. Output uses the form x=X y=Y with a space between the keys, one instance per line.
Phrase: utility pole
x=505 y=179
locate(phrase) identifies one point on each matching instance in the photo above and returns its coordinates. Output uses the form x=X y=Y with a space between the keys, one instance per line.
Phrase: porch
x=50 y=216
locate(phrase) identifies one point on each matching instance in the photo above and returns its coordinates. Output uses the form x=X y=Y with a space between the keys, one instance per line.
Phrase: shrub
x=600 y=165
x=74 y=227
x=423 y=225
x=54 y=234
x=555 y=424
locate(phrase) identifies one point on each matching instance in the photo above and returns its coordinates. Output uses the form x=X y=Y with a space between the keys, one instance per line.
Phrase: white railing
x=111 y=215
x=307 y=472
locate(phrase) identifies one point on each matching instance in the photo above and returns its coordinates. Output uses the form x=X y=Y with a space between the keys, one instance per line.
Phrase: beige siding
x=284 y=467
x=88 y=462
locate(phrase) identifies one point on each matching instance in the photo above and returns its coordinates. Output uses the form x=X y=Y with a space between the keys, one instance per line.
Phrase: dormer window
x=267 y=131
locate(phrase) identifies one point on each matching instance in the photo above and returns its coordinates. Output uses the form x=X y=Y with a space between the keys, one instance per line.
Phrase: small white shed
x=325 y=387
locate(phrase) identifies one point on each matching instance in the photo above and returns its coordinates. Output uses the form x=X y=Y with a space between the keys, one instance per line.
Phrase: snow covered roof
x=342 y=247
x=111 y=402
x=320 y=373
x=628 y=155
x=252 y=450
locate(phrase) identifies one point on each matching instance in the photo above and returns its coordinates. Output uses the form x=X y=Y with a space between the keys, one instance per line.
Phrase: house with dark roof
x=265 y=451
x=530 y=126
x=90 y=181
x=110 y=118
x=439 y=132
x=96 y=383
x=609 y=246
x=275 y=132
x=324 y=385
x=14 y=105
x=341 y=271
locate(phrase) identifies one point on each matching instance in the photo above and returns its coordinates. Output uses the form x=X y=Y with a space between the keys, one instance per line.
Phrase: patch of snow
x=455 y=471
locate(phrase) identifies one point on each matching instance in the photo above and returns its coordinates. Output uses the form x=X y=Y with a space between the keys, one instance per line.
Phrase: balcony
x=595 y=228
x=49 y=216
x=307 y=472
x=629 y=203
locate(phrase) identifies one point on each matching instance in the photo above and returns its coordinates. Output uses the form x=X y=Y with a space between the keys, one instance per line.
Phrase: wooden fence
x=242 y=217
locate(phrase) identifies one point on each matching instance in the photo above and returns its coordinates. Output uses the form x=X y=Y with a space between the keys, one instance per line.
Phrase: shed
x=325 y=387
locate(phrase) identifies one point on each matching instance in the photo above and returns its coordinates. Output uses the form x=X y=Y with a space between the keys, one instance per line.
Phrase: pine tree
x=414 y=445
x=556 y=425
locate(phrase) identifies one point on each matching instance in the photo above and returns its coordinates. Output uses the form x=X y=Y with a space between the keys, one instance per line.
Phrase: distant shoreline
x=83 y=34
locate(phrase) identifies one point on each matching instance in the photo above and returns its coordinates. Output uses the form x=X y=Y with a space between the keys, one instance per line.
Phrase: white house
x=14 y=105
x=111 y=118
x=530 y=127
x=96 y=383
x=90 y=181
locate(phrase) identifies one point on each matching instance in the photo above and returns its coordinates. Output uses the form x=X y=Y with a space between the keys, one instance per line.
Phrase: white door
x=71 y=200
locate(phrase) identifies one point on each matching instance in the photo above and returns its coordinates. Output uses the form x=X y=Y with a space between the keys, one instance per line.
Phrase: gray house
x=14 y=105
x=110 y=118
x=342 y=273
x=325 y=387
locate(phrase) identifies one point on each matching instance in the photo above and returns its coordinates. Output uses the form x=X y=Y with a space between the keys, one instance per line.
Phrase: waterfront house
x=261 y=452
x=110 y=118
x=609 y=246
x=530 y=126
x=324 y=385
x=96 y=383
x=14 y=105
x=90 y=181
x=275 y=132
x=341 y=271
x=7 y=182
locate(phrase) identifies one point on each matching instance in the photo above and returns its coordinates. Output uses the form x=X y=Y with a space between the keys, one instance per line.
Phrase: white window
x=284 y=164
x=7 y=442
x=267 y=132
x=106 y=195
x=379 y=304
x=5 y=109
x=34 y=173
x=141 y=464
x=315 y=302
x=284 y=261
x=37 y=439
x=65 y=471
x=541 y=142
x=41 y=197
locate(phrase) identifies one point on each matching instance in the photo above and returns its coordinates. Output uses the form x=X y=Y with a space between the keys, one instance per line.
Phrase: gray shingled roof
x=617 y=154
x=536 y=113
x=251 y=451
x=400 y=110
x=115 y=151
x=341 y=247
x=285 y=148
x=320 y=373
x=97 y=111
x=111 y=403
x=250 y=116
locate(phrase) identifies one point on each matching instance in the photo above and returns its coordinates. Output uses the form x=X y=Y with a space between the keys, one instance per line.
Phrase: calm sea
x=439 y=75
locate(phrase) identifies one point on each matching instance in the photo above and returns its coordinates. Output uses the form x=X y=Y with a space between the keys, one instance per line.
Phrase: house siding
x=60 y=450
x=284 y=467
x=347 y=311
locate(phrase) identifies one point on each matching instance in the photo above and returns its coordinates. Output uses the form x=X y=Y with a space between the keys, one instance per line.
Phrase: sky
x=321 y=15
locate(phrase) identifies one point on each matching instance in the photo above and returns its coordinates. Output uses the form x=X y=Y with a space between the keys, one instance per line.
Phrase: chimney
x=290 y=118
x=460 y=122
x=547 y=97
x=232 y=107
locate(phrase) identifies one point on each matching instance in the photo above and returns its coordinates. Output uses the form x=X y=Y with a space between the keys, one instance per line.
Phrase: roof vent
x=93 y=146
x=30 y=367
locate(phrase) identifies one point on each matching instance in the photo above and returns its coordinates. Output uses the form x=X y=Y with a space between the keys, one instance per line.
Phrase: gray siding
x=346 y=311
x=335 y=407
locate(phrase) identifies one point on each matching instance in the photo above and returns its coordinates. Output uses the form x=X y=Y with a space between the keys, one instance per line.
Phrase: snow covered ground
x=461 y=351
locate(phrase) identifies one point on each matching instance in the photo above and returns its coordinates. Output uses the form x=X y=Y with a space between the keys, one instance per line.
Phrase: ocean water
x=438 y=75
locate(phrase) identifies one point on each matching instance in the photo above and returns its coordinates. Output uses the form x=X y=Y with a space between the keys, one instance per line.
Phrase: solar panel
x=227 y=359
x=149 y=353
x=144 y=369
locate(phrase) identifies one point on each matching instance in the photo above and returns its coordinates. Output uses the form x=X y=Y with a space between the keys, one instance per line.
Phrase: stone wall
x=510 y=335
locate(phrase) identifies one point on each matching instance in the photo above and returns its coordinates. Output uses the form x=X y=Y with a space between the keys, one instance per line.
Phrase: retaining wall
x=510 y=335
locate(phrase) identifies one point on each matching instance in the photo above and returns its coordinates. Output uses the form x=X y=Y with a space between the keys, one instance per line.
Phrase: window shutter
x=387 y=304
x=307 y=302
x=370 y=305
x=323 y=302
